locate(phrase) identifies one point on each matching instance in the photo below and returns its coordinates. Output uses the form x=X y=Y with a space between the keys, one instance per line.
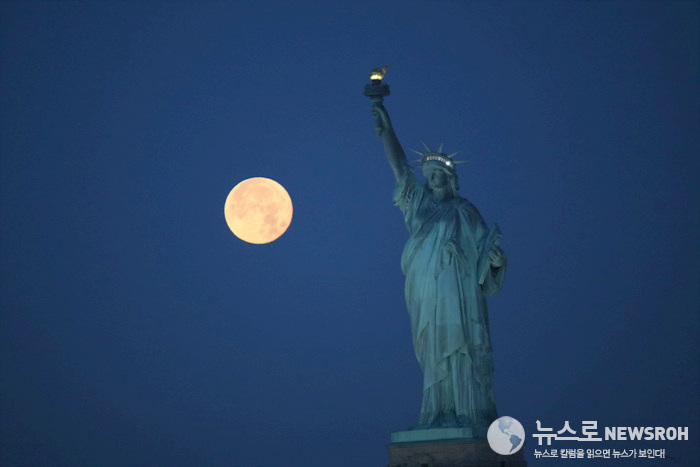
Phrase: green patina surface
x=452 y=261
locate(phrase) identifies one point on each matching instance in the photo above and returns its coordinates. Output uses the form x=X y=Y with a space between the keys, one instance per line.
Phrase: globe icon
x=506 y=436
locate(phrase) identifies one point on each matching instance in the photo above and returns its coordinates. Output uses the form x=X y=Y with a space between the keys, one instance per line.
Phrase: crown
x=437 y=156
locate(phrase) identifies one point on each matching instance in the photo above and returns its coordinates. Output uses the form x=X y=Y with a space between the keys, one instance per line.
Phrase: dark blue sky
x=135 y=329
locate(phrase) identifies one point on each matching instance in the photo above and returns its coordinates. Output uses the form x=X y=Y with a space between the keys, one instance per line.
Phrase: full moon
x=258 y=210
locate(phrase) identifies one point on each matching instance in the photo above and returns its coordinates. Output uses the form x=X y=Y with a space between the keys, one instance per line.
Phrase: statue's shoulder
x=408 y=190
x=469 y=210
x=465 y=204
x=409 y=184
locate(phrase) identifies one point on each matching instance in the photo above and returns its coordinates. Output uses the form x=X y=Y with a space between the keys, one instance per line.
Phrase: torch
x=375 y=90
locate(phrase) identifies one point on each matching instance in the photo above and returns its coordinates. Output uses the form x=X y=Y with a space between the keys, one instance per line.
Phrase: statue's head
x=439 y=170
x=440 y=178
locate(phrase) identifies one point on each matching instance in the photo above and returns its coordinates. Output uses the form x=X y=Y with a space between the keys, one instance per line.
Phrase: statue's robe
x=447 y=305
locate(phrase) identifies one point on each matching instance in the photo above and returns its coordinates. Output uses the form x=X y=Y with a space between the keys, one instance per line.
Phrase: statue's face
x=439 y=180
x=436 y=176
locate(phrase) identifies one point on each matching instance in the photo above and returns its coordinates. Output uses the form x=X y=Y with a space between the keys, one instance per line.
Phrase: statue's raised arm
x=392 y=147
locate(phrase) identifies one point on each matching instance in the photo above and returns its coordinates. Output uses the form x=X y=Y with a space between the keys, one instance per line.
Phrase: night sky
x=137 y=330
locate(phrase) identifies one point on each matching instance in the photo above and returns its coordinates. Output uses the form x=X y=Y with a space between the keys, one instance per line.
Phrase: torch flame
x=378 y=72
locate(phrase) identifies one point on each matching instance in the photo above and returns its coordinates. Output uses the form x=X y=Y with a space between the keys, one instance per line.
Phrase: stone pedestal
x=455 y=452
x=432 y=434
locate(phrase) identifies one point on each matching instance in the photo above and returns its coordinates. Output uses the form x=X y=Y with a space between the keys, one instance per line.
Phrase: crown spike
x=417 y=152
x=453 y=154
x=426 y=146
x=440 y=148
x=458 y=162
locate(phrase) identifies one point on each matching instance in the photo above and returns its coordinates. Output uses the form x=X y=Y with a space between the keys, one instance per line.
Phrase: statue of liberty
x=451 y=262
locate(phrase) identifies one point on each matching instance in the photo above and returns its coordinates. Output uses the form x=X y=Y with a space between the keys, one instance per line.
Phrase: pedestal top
x=432 y=434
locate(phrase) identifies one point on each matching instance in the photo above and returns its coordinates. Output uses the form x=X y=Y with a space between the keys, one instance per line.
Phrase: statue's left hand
x=496 y=257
